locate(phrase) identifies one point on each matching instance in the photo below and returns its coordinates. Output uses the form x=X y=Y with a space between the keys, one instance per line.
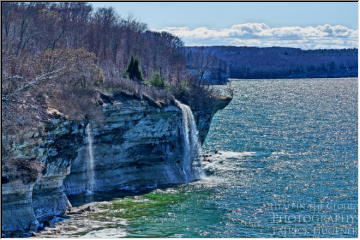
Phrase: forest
x=275 y=62
x=59 y=55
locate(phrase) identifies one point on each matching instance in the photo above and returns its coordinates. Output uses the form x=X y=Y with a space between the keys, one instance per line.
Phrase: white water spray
x=191 y=163
x=90 y=161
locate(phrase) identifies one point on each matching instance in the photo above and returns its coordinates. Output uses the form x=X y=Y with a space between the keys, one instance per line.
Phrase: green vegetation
x=184 y=89
x=157 y=81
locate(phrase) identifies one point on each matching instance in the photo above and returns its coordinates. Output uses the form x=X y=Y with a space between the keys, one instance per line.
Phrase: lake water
x=286 y=167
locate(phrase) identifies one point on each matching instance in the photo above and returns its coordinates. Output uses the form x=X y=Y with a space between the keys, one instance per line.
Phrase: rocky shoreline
x=137 y=146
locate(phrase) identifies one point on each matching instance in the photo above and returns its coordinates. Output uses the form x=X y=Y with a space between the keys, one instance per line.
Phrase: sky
x=307 y=25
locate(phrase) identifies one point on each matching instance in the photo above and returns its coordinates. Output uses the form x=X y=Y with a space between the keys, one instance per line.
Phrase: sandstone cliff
x=139 y=144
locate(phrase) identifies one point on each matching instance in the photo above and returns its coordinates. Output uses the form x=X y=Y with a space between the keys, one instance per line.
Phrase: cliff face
x=138 y=145
x=203 y=118
x=32 y=175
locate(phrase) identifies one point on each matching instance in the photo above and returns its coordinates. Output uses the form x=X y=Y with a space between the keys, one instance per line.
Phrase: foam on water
x=106 y=233
x=229 y=154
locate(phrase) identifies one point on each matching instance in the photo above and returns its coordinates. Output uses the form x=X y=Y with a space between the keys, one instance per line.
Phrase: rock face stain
x=137 y=146
x=28 y=201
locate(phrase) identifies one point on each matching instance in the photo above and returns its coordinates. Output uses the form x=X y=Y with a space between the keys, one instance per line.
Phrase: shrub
x=114 y=85
x=64 y=79
x=157 y=81
x=184 y=89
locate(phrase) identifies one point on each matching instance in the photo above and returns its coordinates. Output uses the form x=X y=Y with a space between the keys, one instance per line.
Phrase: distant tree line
x=206 y=66
x=281 y=62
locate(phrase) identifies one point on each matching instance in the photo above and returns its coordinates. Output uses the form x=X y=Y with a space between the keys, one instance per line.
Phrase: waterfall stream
x=90 y=161
x=191 y=164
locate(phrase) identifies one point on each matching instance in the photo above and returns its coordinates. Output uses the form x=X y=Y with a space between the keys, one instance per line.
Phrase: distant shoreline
x=271 y=62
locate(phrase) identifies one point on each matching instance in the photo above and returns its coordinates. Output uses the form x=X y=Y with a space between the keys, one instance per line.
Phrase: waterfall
x=191 y=164
x=90 y=161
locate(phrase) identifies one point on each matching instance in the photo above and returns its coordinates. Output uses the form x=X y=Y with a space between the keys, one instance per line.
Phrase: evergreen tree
x=157 y=80
x=133 y=70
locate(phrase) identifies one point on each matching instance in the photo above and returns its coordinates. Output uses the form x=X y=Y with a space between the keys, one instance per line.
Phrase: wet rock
x=26 y=204
x=70 y=228
x=81 y=209
x=138 y=145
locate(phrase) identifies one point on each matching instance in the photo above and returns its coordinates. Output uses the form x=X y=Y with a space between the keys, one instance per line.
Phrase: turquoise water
x=286 y=167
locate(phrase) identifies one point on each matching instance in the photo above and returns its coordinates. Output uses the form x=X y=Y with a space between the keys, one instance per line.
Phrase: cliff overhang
x=137 y=145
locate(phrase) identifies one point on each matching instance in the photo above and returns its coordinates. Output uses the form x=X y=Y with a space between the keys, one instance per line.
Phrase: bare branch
x=37 y=80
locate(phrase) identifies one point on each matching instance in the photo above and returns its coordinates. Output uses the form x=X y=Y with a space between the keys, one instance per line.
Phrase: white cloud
x=260 y=34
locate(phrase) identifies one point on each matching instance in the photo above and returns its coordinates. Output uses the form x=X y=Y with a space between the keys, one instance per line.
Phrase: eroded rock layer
x=137 y=145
